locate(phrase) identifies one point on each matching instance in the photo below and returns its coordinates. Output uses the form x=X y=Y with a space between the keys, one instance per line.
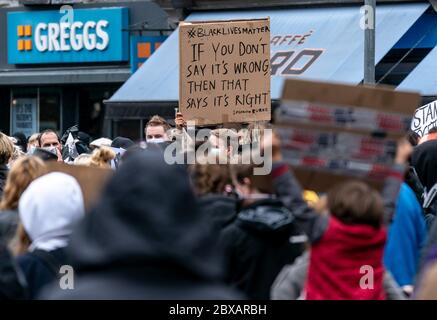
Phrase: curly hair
x=102 y=157
x=210 y=178
x=23 y=172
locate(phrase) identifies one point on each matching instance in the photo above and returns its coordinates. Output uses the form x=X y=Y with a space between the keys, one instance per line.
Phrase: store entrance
x=91 y=109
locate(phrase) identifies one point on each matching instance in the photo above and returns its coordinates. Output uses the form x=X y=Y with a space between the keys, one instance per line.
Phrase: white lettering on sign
x=76 y=36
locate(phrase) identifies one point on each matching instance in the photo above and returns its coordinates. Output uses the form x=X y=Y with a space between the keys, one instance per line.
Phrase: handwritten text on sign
x=425 y=118
x=225 y=71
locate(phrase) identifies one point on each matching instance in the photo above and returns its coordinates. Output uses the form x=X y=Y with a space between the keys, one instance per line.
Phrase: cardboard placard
x=224 y=72
x=424 y=119
x=334 y=132
x=323 y=181
x=91 y=180
x=356 y=109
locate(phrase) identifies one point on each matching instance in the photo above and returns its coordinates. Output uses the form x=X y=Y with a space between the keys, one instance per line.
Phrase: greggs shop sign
x=83 y=35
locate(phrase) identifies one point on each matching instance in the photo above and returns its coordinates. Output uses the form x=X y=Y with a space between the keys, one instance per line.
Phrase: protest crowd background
x=329 y=193
x=208 y=231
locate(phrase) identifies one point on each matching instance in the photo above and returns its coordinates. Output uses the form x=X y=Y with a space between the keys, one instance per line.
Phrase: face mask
x=51 y=149
x=155 y=140
x=31 y=150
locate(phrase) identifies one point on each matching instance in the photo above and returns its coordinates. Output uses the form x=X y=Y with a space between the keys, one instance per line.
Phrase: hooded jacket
x=219 y=209
x=48 y=209
x=424 y=161
x=145 y=239
x=340 y=261
x=258 y=244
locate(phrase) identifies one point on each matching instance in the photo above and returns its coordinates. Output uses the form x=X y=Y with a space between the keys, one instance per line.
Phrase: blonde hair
x=33 y=140
x=6 y=148
x=23 y=172
x=83 y=160
x=102 y=157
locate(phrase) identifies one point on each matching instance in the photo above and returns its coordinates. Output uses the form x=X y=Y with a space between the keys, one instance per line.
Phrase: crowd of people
x=210 y=231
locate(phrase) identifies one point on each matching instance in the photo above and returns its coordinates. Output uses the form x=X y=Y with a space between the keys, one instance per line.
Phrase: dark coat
x=145 y=239
x=41 y=268
x=3 y=175
x=258 y=244
x=8 y=225
x=12 y=283
x=219 y=209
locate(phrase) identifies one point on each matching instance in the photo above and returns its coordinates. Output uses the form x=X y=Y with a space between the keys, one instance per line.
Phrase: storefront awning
x=64 y=76
x=424 y=77
x=328 y=41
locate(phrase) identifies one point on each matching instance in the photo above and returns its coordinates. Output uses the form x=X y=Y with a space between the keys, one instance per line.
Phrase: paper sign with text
x=424 y=119
x=225 y=71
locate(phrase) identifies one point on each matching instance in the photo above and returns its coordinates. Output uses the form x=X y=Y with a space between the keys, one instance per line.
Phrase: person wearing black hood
x=262 y=239
x=122 y=142
x=135 y=244
x=424 y=161
x=21 y=139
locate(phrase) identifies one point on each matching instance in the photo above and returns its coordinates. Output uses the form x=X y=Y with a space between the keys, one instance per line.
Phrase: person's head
x=102 y=157
x=355 y=202
x=49 y=138
x=22 y=173
x=49 y=209
x=32 y=142
x=6 y=149
x=100 y=142
x=147 y=217
x=122 y=142
x=247 y=184
x=83 y=159
x=224 y=141
x=210 y=178
x=21 y=139
x=156 y=130
x=424 y=161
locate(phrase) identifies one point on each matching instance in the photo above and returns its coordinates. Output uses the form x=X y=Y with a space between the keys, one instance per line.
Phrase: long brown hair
x=22 y=173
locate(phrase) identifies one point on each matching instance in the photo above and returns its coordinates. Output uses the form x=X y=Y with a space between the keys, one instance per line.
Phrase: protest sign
x=334 y=132
x=225 y=71
x=91 y=180
x=424 y=119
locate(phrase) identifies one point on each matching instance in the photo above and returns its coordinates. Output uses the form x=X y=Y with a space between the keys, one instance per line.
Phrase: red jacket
x=347 y=263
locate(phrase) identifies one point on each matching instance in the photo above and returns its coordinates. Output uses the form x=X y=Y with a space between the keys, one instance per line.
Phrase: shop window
x=24 y=111
x=50 y=109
